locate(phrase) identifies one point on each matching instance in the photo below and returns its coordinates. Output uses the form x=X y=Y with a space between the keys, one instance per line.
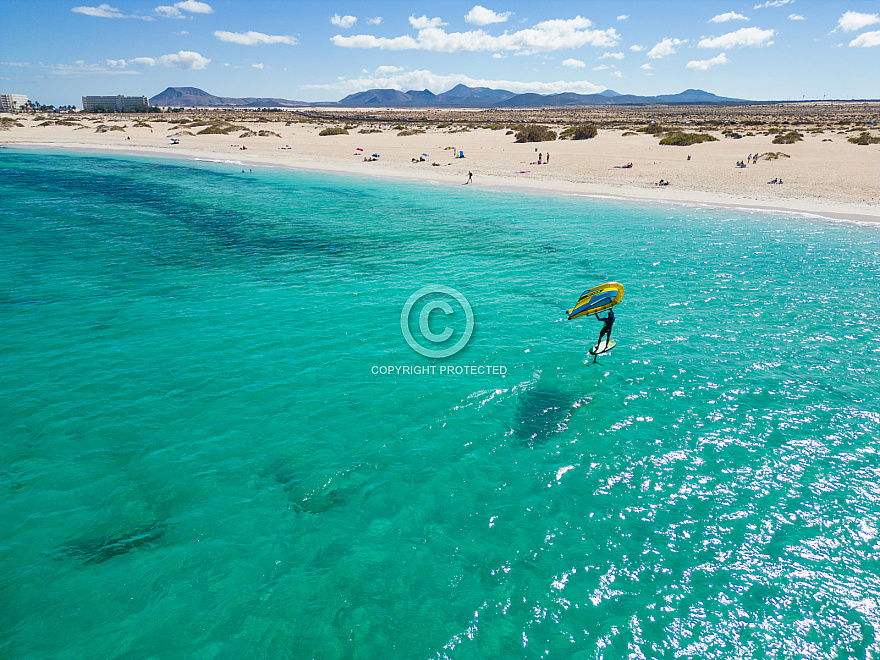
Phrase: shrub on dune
x=687 y=139
x=535 y=133
x=789 y=138
x=214 y=130
x=579 y=132
x=864 y=139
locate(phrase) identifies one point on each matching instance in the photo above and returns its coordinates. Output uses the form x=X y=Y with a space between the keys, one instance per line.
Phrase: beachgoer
x=470 y=178
x=547 y=160
x=606 y=329
x=540 y=158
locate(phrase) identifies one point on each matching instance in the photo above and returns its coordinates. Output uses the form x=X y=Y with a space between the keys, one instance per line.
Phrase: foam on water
x=200 y=460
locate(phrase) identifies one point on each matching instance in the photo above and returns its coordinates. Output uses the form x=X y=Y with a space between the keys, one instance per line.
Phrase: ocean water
x=210 y=447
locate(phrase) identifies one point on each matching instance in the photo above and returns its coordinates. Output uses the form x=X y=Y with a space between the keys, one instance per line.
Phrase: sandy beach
x=823 y=174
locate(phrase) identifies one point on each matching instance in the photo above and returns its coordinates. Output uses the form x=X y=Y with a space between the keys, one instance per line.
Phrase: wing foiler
x=598 y=299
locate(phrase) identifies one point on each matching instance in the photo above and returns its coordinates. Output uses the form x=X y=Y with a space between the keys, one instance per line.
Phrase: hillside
x=460 y=96
x=193 y=97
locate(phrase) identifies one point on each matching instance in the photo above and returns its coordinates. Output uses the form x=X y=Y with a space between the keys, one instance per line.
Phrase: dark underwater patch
x=99 y=549
x=542 y=413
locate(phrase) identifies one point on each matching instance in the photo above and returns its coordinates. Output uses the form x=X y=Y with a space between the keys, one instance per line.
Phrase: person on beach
x=606 y=329
x=470 y=178
x=547 y=159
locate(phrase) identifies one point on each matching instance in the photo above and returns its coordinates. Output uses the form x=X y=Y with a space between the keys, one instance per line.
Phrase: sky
x=55 y=52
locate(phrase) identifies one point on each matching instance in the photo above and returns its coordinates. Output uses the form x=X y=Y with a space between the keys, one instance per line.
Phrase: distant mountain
x=193 y=97
x=612 y=98
x=554 y=100
x=460 y=96
x=379 y=97
x=697 y=96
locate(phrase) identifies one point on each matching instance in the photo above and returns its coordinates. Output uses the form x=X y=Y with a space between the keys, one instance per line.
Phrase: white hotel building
x=119 y=103
x=12 y=102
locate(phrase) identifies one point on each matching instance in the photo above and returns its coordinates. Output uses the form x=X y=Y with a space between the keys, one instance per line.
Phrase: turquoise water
x=200 y=454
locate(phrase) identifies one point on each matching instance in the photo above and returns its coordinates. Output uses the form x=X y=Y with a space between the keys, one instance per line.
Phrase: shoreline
x=815 y=208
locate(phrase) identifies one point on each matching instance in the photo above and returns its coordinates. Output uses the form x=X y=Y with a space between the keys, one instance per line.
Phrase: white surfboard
x=603 y=347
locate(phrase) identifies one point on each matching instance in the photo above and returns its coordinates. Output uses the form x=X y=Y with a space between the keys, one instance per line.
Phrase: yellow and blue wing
x=598 y=299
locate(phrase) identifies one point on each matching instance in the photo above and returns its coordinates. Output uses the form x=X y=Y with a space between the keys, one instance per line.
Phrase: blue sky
x=56 y=52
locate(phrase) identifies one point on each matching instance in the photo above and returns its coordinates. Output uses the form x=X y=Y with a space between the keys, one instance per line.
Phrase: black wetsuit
x=606 y=329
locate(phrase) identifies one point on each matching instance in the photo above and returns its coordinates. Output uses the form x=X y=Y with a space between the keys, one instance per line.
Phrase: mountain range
x=460 y=96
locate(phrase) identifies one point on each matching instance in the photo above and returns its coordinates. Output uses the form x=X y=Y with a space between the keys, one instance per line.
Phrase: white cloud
x=751 y=36
x=702 y=65
x=374 y=21
x=728 y=16
x=636 y=48
x=75 y=70
x=424 y=23
x=183 y=33
x=176 y=10
x=259 y=66
x=186 y=60
x=646 y=66
x=106 y=11
x=866 y=40
x=616 y=56
x=194 y=7
x=796 y=17
x=602 y=67
x=80 y=68
x=101 y=11
x=498 y=56
x=438 y=83
x=343 y=21
x=253 y=38
x=773 y=3
x=166 y=11
x=573 y=63
x=853 y=20
x=666 y=47
x=479 y=15
x=617 y=73
x=622 y=17
x=560 y=34
x=385 y=70
x=117 y=64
